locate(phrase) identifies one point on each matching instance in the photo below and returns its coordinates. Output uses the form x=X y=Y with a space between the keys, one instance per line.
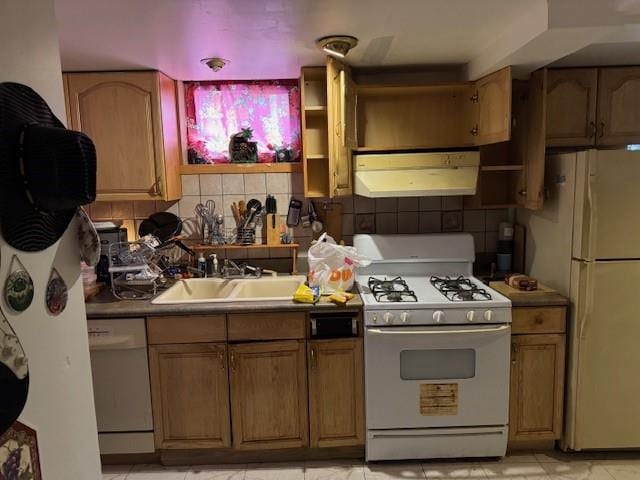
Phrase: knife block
x=273 y=229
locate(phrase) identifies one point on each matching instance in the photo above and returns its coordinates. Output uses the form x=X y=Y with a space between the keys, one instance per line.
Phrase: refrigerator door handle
x=588 y=295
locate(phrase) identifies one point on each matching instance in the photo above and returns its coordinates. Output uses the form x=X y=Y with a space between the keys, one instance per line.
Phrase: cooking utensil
x=255 y=208
x=236 y=213
x=166 y=227
x=242 y=208
x=316 y=224
x=293 y=215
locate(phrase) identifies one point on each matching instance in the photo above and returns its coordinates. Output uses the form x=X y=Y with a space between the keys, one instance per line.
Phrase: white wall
x=60 y=403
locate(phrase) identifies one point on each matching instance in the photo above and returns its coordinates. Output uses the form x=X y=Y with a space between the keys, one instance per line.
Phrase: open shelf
x=415 y=117
x=205 y=248
x=316 y=110
x=241 y=168
x=317 y=180
x=501 y=168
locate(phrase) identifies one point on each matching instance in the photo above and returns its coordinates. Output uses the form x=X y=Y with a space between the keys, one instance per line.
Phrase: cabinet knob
x=474 y=131
x=592 y=129
x=601 y=130
x=523 y=192
x=313 y=357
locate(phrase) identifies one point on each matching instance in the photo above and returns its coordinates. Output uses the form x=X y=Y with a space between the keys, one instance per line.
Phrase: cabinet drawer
x=538 y=320
x=186 y=329
x=266 y=326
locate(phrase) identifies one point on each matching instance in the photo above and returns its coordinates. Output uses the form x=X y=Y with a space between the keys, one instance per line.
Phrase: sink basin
x=205 y=290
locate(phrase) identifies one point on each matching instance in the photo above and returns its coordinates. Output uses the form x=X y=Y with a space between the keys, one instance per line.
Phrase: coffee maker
x=108 y=236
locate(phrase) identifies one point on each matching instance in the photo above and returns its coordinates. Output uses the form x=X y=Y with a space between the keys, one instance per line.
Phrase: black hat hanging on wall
x=14 y=376
x=57 y=293
x=18 y=287
x=46 y=171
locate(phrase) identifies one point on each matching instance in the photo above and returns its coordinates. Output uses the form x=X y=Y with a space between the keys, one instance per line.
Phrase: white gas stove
x=436 y=349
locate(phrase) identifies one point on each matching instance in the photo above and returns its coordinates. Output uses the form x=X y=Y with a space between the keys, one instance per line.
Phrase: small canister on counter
x=504 y=253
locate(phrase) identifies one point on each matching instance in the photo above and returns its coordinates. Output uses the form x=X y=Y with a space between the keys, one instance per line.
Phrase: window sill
x=241 y=168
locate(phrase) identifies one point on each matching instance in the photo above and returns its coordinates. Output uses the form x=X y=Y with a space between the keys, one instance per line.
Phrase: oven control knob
x=404 y=317
x=438 y=316
x=387 y=317
x=470 y=315
x=488 y=315
x=374 y=318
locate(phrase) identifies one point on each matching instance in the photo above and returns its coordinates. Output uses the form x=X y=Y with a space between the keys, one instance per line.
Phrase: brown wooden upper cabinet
x=393 y=117
x=329 y=129
x=340 y=117
x=132 y=119
x=269 y=395
x=190 y=392
x=593 y=106
x=571 y=107
x=336 y=392
x=618 y=106
x=512 y=173
x=493 y=96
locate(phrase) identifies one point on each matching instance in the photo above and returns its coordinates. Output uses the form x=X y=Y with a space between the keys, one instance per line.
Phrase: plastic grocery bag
x=331 y=266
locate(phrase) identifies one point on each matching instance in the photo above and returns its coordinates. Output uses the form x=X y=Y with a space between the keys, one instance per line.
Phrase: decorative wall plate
x=57 y=293
x=19 y=456
x=18 y=288
x=88 y=238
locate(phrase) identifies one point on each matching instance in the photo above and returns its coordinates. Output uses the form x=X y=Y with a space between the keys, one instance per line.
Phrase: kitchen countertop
x=542 y=297
x=105 y=305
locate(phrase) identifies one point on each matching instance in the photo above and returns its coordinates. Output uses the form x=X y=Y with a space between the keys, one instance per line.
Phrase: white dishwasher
x=121 y=386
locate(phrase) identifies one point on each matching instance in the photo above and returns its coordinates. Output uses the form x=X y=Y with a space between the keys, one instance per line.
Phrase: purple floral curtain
x=218 y=110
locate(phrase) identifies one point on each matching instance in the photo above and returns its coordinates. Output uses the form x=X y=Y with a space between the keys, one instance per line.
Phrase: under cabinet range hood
x=416 y=174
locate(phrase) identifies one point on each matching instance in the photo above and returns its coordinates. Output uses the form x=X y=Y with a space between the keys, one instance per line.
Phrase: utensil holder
x=245 y=236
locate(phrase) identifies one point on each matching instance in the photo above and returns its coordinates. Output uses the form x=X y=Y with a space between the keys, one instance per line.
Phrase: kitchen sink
x=205 y=290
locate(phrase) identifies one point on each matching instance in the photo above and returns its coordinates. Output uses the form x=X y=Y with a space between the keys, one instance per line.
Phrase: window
x=218 y=110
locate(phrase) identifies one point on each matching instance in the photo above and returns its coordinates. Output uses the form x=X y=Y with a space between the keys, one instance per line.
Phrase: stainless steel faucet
x=231 y=269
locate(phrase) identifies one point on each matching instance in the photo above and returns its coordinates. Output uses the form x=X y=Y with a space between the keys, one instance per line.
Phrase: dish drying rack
x=133 y=270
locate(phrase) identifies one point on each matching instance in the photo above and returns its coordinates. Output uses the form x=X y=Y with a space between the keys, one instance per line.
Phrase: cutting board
x=331 y=215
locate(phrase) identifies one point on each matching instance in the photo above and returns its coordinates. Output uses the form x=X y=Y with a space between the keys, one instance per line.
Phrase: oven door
x=422 y=377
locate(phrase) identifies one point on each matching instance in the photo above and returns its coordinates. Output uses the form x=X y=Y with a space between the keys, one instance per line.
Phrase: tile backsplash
x=422 y=215
x=361 y=214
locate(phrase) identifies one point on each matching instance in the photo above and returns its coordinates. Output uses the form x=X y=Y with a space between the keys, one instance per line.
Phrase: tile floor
x=521 y=466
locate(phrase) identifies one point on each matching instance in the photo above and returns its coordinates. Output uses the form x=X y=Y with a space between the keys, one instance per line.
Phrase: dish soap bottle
x=202 y=265
x=214 y=264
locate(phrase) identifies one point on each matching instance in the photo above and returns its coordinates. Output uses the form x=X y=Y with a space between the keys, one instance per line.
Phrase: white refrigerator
x=585 y=243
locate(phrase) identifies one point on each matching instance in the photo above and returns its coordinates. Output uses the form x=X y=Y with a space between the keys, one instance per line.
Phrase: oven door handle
x=436 y=331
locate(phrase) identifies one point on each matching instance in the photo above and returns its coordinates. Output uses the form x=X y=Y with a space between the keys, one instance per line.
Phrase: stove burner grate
x=459 y=289
x=391 y=290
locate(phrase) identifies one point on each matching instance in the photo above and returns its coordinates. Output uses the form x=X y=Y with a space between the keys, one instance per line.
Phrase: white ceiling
x=274 y=38
x=622 y=53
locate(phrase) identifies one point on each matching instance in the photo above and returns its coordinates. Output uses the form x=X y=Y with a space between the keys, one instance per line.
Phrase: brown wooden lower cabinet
x=269 y=395
x=190 y=390
x=336 y=393
x=537 y=377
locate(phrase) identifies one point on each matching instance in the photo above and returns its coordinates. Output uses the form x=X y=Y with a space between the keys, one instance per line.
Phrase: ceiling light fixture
x=214 y=63
x=337 y=45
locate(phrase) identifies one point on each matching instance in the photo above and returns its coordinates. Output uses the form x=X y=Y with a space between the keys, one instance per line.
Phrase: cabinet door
x=269 y=395
x=341 y=100
x=619 y=106
x=494 y=107
x=121 y=114
x=534 y=146
x=571 y=107
x=190 y=392
x=537 y=387
x=336 y=396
